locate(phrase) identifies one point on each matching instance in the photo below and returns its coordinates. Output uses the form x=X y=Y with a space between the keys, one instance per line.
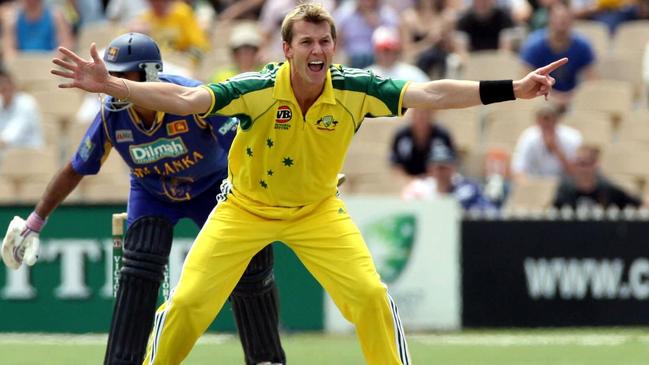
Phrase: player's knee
x=371 y=294
x=146 y=248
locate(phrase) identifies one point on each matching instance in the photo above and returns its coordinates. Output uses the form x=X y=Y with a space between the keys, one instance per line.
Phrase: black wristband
x=496 y=91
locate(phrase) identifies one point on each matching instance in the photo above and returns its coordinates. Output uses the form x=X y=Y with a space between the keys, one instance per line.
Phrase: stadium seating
x=31 y=70
x=492 y=65
x=99 y=32
x=597 y=33
x=624 y=66
x=631 y=36
x=625 y=159
x=595 y=126
x=614 y=97
x=503 y=127
x=61 y=104
x=463 y=125
x=110 y=185
x=532 y=195
x=634 y=128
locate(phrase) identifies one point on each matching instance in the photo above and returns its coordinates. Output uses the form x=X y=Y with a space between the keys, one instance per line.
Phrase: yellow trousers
x=325 y=240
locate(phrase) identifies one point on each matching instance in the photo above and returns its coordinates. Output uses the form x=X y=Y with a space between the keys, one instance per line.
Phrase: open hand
x=89 y=75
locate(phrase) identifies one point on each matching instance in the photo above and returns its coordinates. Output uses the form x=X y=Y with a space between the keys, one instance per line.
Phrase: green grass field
x=536 y=347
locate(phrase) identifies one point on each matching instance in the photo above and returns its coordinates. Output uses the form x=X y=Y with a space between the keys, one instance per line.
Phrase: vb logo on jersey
x=283 y=117
x=326 y=123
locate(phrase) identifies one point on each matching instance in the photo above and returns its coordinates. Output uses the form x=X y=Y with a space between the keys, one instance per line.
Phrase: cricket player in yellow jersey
x=297 y=119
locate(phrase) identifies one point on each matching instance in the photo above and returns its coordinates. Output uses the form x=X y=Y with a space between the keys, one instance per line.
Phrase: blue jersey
x=469 y=195
x=536 y=52
x=175 y=160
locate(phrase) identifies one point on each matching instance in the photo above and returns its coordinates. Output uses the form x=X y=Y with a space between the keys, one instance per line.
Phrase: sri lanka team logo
x=111 y=53
x=177 y=127
x=326 y=123
x=283 y=116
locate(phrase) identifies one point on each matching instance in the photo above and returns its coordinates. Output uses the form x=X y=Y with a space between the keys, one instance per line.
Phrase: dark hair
x=311 y=13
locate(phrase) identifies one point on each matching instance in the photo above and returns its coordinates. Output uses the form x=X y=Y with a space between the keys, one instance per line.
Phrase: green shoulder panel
x=365 y=81
x=227 y=91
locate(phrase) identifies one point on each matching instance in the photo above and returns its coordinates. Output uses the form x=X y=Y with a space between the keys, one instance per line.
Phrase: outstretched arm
x=451 y=94
x=91 y=75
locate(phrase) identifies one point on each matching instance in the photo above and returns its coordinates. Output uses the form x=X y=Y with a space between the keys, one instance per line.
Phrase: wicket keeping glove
x=21 y=242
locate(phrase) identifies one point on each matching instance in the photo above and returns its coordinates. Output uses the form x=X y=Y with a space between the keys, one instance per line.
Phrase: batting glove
x=21 y=242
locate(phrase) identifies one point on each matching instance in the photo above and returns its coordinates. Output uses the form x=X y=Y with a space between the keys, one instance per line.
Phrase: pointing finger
x=551 y=67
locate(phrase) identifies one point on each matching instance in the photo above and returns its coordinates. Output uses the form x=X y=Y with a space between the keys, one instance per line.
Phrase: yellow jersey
x=284 y=158
x=178 y=30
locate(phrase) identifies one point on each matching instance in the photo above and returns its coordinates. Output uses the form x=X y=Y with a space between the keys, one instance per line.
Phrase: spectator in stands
x=539 y=18
x=387 y=54
x=20 y=119
x=356 y=24
x=445 y=180
x=519 y=10
x=430 y=39
x=483 y=23
x=587 y=188
x=270 y=21
x=238 y=10
x=413 y=143
x=554 y=42
x=497 y=177
x=84 y=12
x=174 y=26
x=610 y=12
x=547 y=148
x=124 y=12
x=244 y=44
x=33 y=26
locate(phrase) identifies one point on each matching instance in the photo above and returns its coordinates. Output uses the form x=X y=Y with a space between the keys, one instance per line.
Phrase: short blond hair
x=312 y=13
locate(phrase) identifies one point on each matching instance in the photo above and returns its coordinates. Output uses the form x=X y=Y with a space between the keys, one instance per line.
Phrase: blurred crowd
x=584 y=147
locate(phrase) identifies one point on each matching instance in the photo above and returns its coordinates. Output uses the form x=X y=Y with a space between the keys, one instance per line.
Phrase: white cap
x=245 y=34
x=386 y=38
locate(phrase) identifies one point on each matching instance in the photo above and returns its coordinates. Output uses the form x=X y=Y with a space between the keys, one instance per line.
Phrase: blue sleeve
x=93 y=149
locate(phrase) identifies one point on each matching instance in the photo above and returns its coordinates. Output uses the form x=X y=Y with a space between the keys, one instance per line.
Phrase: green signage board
x=69 y=289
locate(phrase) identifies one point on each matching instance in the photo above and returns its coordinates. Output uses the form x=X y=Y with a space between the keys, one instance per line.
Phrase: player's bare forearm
x=452 y=94
x=61 y=185
x=161 y=96
x=442 y=94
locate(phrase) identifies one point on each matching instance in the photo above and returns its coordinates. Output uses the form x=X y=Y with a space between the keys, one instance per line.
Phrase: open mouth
x=316 y=66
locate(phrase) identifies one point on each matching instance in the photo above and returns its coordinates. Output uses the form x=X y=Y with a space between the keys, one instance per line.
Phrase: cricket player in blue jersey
x=177 y=164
